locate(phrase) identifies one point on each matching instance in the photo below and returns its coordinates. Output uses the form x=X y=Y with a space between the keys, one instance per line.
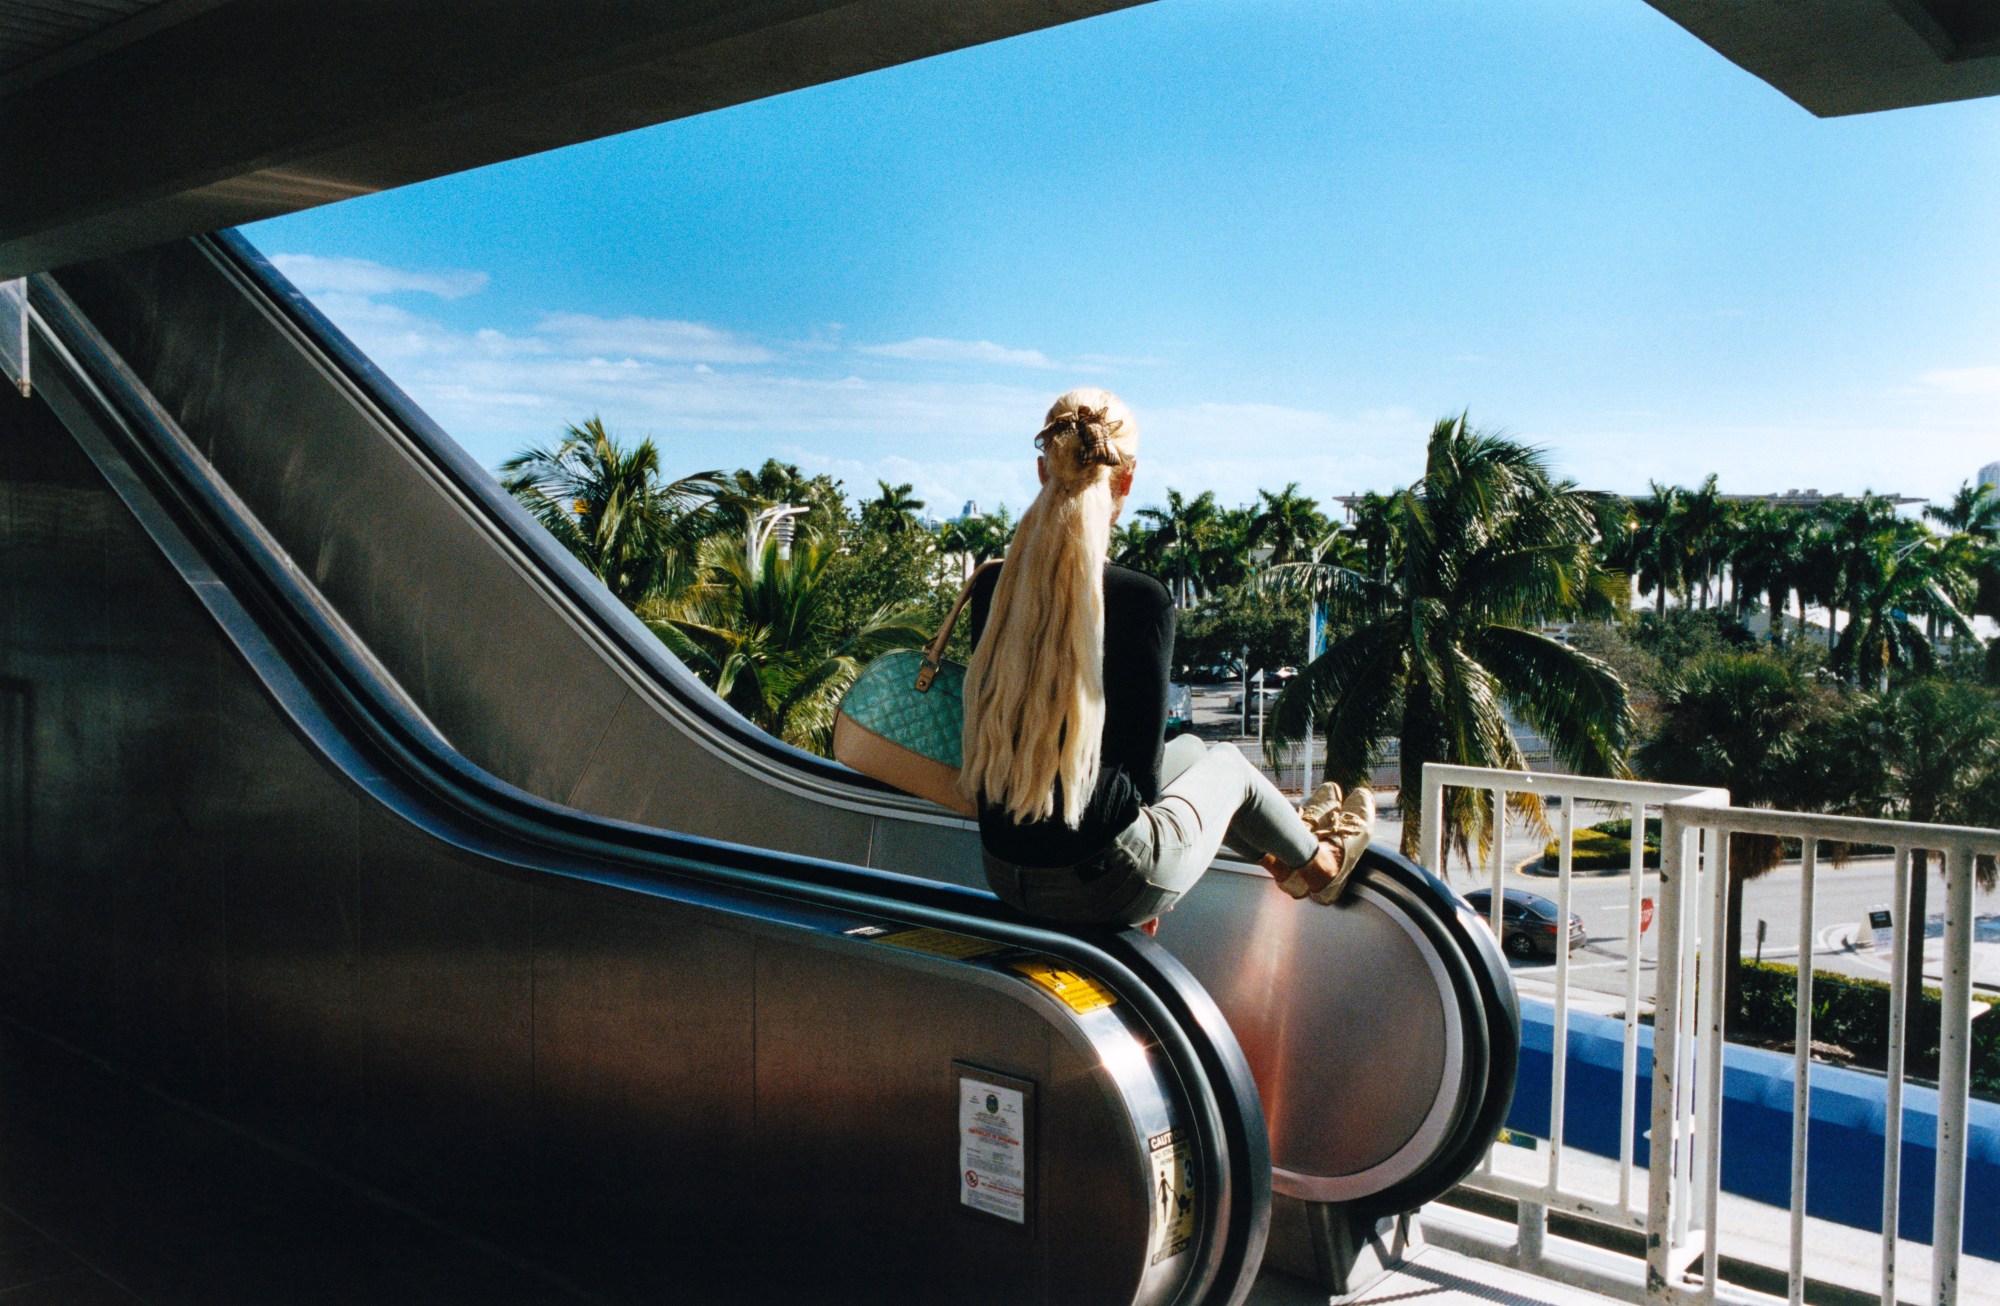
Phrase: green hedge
x=1854 y=1014
x=1622 y=829
x=1593 y=849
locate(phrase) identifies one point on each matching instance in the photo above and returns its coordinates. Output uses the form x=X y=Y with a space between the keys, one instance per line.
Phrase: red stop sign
x=1645 y=914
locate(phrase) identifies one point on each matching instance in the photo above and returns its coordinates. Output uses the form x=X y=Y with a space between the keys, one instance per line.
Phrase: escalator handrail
x=1498 y=1035
x=1495 y=982
x=500 y=514
x=446 y=794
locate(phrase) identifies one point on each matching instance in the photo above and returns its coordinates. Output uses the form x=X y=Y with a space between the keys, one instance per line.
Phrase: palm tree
x=1817 y=571
x=1973 y=517
x=1763 y=561
x=1848 y=545
x=1223 y=553
x=775 y=484
x=976 y=539
x=1657 y=551
x=1703 y=528
x=609 y=507
x=762 y=634
x=1373 y=528
x=1133 y=545
x=1289 y=522
x=894 y=510
x=1973 y=510
x=1744 y=722
x=1937 y=745
x=1181 y=532
x=1480 y=552
x=1895 y=575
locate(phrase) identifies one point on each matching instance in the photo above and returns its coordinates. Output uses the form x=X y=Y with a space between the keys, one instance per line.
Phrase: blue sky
x=1290 y=234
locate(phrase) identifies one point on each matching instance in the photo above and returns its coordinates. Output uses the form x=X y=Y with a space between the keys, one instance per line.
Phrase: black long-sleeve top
x=1138 y=651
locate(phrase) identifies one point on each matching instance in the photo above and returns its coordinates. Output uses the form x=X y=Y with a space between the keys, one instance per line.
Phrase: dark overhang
x=127 y=122
x=1836 y=57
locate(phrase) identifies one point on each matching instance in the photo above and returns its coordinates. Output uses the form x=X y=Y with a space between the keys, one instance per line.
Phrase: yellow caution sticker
x=941 y=943
x=1078 y=992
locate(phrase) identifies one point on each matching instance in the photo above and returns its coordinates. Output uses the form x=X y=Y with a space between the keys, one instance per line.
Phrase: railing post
x=1954 y=1076
x=1531 y=1224
x=1559 y=1032
x=1715 y=974
x=1892 y=1115
x=1802 y=1072
x=1664 y=1140
x=1433 y=818
x=1628 y=1088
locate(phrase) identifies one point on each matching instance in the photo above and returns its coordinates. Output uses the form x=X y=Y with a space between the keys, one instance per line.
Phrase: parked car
x=1269 y=693
x=1528 y=922
x=1180 y=709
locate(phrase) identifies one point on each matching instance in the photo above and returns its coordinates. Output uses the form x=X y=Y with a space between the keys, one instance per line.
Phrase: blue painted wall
x=1843 y=1140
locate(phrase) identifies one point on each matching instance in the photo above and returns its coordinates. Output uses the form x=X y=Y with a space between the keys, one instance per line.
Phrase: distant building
x=1786 y=499
x=1813 y=499
x=1989 y=474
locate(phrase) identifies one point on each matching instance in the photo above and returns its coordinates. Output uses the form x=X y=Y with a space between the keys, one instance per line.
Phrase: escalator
x=354 y=810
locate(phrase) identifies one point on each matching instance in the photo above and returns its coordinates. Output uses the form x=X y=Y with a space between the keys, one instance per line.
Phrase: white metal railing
x=1679 y=1209
x=1628 y=1206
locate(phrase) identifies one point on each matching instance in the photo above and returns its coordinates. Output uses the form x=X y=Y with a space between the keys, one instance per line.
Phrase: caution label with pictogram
x=1173 y=1195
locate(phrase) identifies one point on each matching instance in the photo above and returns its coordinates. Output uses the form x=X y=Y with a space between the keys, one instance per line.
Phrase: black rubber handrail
x=378 y=743
x=1494 y=980
x=1493 y=1019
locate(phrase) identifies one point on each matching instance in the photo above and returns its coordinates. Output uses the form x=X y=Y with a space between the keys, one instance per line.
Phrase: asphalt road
x=1842 y=898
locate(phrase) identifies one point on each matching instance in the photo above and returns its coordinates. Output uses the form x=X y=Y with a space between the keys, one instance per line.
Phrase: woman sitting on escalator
x=1083 y=813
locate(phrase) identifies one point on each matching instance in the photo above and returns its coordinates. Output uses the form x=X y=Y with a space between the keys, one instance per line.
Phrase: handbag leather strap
x=934 y=651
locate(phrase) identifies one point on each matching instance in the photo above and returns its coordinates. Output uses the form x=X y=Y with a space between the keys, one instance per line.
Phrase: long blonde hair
x=1034 y=694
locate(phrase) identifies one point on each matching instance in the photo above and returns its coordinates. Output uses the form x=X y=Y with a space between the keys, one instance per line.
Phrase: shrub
x=1622 y=829
x=1592 y=849
x=1854 y=1014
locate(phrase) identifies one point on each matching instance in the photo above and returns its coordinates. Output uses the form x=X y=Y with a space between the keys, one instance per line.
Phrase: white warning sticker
x=1173 y=1195
x=992 y=1149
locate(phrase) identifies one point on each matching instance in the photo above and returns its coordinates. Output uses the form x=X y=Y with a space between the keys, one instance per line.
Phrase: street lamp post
x=1245 y=731
x=779 y=520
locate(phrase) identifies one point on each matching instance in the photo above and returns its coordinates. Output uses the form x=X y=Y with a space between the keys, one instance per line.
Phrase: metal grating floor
x=1435 y=1277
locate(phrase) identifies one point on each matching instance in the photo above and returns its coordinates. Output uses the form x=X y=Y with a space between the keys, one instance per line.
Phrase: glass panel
x=14 y=332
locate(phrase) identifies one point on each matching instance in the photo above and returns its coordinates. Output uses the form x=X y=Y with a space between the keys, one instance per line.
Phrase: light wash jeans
x=1207 y=795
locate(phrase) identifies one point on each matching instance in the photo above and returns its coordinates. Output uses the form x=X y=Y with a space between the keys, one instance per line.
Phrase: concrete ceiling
x=1837 y=57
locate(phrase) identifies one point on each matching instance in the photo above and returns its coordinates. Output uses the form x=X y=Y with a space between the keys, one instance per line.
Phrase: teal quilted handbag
x=902 y=721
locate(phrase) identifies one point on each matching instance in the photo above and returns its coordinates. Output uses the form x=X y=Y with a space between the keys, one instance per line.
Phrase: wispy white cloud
x=1963 y=380
x=359 y=276
x=931 y=349
x=666 y=339
x=961 y=432
x=958 y=433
